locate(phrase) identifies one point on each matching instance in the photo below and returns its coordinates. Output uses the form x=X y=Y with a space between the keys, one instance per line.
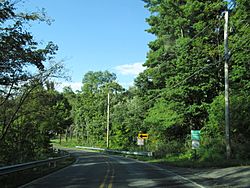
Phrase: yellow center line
x=106 y=175
x=112 y=175
x=109 y=176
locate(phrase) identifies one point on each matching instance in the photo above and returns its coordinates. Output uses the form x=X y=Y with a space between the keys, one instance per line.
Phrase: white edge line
x=169 y=171
x=143 y=162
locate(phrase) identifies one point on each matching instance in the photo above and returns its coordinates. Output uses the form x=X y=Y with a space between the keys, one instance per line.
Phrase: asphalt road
x=99 y=170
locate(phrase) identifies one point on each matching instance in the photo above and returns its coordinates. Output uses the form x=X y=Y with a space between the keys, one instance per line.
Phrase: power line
x=193 y=74
x=176 y=85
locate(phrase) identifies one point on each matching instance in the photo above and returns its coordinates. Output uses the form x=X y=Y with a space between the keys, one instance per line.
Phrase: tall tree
x=44 y=114
x=127 y=117
x=18 y=49
x=19 y=52
x=239 y=42
x=239 y=68
x=90 y=112
x=184 y=64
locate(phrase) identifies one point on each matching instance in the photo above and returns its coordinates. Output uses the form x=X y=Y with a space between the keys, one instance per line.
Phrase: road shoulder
x=214 y=177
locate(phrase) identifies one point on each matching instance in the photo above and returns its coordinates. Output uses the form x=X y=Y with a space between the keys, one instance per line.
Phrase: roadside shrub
x=214 y=130
x=173 y=147
x=212 y=149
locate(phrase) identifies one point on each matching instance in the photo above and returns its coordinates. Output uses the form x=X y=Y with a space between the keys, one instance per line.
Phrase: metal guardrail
x=149 y=154
x=90 y=148
x=19 y=167
x=15 y=168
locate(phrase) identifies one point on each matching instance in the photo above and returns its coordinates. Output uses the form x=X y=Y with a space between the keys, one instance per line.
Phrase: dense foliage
x=182 y=87
x=29 y=114
x=180 y=90
x=186 y=63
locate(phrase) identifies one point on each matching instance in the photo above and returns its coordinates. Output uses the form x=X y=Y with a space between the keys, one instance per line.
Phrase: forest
x=181 y=89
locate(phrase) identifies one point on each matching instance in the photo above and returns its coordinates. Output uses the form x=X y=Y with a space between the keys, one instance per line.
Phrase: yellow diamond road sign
x=143 y=135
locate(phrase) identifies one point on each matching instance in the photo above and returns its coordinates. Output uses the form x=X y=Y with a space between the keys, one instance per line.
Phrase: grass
x=177 y=160
x=185 y=161
x=70 y=144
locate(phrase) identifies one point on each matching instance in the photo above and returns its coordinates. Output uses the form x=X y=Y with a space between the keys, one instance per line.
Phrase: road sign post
x=195 y=136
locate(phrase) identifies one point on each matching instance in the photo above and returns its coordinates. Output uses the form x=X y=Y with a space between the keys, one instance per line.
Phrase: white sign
x=195 y=144
x=140 y=141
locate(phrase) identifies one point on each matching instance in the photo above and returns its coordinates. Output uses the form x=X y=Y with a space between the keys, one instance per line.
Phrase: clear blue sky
x=95 y=35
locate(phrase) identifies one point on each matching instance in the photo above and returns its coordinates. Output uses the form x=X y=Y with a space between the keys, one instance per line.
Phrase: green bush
x=212 y=149
x=214 y=130
x=173 y=147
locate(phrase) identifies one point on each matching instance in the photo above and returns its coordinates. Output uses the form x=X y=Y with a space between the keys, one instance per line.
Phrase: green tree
x=18 y=49
x=184 y=66
x=25 y=127
x=44 y=114
x=239 y=40
x=90 y=111
x=19 y=52
x=127 y=120
x=239 y=89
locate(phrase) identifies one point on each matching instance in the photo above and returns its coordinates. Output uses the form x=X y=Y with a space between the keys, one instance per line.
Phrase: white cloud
x=74 y=86
x=126 y=85
x=130 y=69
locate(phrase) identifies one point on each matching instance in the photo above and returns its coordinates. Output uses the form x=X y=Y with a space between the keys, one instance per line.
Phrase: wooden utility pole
x=108 y=122
x=227 y=113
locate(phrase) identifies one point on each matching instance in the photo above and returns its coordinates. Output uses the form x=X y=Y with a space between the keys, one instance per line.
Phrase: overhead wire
x=176 y=85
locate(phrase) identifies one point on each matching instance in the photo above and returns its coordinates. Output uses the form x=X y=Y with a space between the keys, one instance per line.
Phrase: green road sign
x=195 y=134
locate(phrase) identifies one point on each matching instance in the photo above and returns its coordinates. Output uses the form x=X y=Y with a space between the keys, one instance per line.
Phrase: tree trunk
x=66 y=135
x=60 y=138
